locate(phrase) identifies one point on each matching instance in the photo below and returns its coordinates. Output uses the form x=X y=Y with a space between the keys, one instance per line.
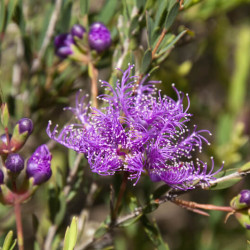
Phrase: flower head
x=245 y=197
x=38 y=165
x=138 y=131
x=99 y=37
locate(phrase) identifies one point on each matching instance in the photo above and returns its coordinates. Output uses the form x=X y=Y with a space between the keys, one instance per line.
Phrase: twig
x=19 y=226
x=50 y=31
x=163 y=33
x=94 y=89
x=228 y=177
x=72 y=174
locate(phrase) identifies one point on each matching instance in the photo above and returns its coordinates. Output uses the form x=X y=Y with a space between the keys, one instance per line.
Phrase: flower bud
x=15 y=163
x=99 y=37
x=25 y=124
x=63 y=43
x=1 y=176
x=241 y=201
x=38 y=165
x=245 y=197
x=3 y=138
x=78 y=31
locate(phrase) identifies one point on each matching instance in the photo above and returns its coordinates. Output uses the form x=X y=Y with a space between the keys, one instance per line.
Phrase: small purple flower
x=99 y=37
x=1 y=177
x=15 y=163
x=63 y=45
x=25 y=124
x=245 y=197
x=38 y=165
x=138 y=131
x=77 y=31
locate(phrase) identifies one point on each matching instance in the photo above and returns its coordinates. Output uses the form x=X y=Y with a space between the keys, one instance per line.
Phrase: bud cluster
x=77 y=42
x=37 y=168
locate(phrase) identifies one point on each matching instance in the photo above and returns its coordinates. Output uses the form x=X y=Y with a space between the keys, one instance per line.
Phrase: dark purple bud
x=38 y=165
x=99 y=37
x=15 y=163
x=78 y=31
x=3 y=138
x=25 y=124
x=64 y=52
x=245 y=197
x=247 y=226
x=1 y=176
x=63 y=44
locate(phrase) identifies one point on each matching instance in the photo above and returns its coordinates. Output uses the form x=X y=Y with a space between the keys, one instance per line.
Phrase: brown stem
x=94 y=89
x=163 y=33
x=194 y=205
x=120 y=195
x=19 y=227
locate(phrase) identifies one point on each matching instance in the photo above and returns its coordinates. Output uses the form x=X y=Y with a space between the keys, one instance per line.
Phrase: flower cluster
x=138 y=131
x=99 y=39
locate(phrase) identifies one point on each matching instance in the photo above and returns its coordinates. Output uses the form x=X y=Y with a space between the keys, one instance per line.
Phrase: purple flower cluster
x=138 y=131
x=99 y=39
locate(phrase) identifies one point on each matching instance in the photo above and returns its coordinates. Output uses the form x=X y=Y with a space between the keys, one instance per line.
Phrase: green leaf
x=161 y=13
x=146 y=61
x=140 y=3
x=160 y=191
x=152 y=206
x=153 y=233
x=84 y=6
x=227 y=182
x=130 y=222
x=71 y=235
x=108 y=11
x=5 y=115
x=8 y=242
x=103 y=229
x=172 y=15
x=150 y=27
x=2 y=15
x=238 y=86
x=245 y=167
x=12 y=4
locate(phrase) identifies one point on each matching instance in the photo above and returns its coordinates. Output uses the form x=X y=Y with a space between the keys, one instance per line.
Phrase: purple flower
x=245 y=197
x=63 y=45
x=1 y=177
x=99 y=37
x=138 y=130
x=38 y=165
x=25 y=124
x=15 y=163
x=77 y=31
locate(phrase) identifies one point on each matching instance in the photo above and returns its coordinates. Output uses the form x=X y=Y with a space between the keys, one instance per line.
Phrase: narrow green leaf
x=8 y=242
x=160 y=191
x=161 y=13
x=150 y=27
x=146 y=61
x=227 y=182
x=140 y=3
x=238 y=86
x=71 y=235
x=101 y=230
x=172 y=15
x=130 y=222
x=5 y=115
x=153 y=233
x=152 y=206
x=2 y=15
x=11 y=9
x=84 y=6
x=245 y=167
x=108 y=11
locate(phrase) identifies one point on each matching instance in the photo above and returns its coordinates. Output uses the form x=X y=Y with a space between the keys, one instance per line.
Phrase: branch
x=50 y=31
